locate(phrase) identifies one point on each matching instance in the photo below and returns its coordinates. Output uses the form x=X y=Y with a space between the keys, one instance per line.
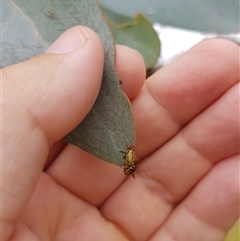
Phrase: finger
x=181 y=90
x=210 y=209
x=131 y=70
x=188 y=156
x=44 y=98
x=76 y=166
x=171 y=172
x=48 y=91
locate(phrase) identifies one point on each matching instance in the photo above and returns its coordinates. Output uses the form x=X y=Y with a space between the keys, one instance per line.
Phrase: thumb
x=43 y=99
x=55 y=90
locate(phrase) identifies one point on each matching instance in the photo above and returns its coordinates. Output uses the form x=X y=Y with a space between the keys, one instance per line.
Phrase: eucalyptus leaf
x=137 y=33
x=29 y=27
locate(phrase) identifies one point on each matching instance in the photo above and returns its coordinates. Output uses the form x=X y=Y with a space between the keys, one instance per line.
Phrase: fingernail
x=67 y=42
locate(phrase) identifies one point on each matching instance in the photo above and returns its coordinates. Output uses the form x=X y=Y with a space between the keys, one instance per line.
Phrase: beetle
x=129 y=162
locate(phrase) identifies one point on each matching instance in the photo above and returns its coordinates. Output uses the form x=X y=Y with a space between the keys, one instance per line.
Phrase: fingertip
x=218 y=47
x=196 y=79
x=219 y=55
x=131 y=70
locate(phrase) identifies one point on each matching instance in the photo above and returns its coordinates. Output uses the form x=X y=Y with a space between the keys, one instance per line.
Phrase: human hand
x=187 y=126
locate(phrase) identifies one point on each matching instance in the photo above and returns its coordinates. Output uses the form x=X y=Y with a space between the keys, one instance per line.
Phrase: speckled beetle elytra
x=129 y=161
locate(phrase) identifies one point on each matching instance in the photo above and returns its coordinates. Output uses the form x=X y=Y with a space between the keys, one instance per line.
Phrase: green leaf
x=29 y=27
x=219 y=16
x=233 y=234
x=137 y=33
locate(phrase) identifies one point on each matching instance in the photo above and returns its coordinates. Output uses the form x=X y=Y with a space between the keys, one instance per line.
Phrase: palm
x=186 y=145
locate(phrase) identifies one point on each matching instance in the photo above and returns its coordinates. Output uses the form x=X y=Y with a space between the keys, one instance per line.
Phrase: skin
x=187 y=180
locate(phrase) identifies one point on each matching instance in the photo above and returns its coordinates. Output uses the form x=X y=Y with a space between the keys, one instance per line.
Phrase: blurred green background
x=205 y=15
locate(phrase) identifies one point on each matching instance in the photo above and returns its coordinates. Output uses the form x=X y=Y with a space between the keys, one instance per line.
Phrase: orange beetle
x=129 y=161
